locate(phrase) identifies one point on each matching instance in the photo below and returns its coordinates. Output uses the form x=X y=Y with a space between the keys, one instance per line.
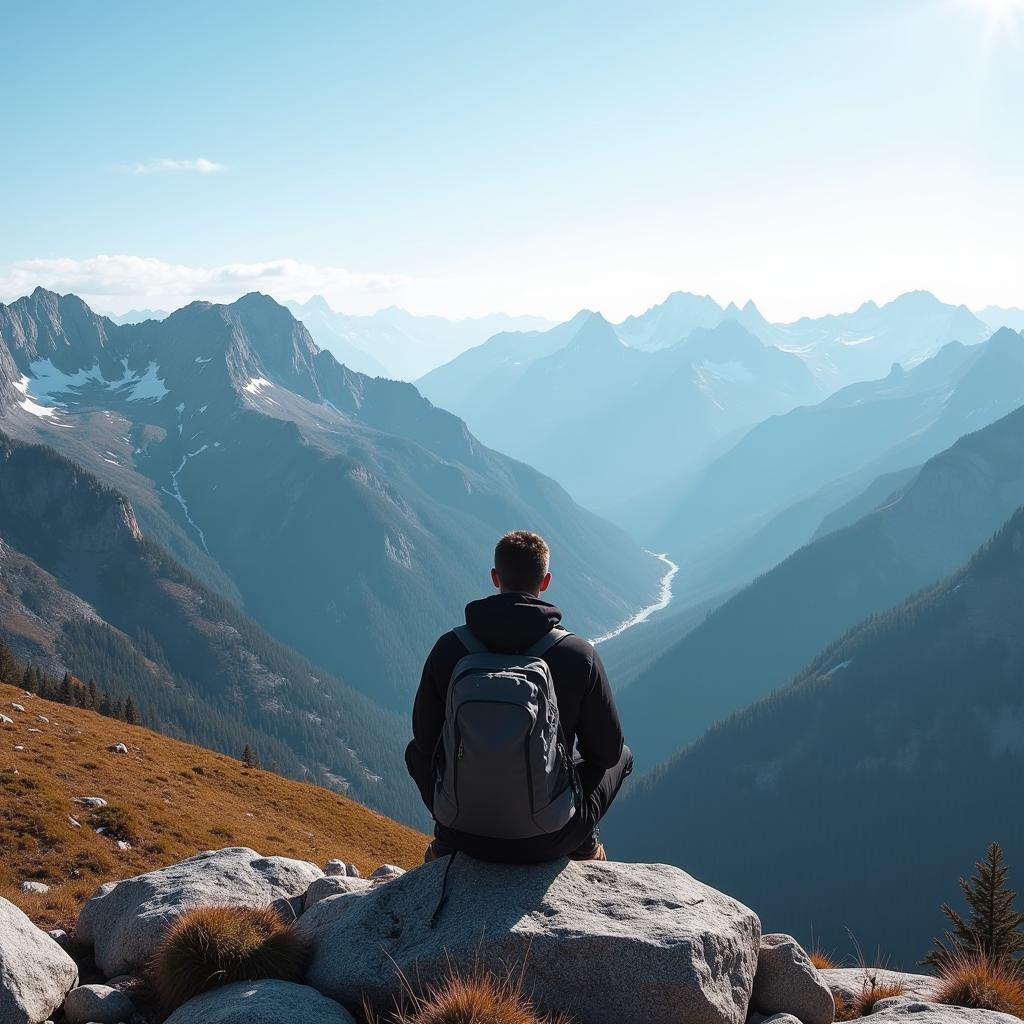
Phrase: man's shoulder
x=576 y=647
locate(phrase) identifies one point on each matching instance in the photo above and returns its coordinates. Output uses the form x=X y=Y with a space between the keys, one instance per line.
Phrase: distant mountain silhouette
x=868 y=786
x=347 y=515
x=137 y=316
x=848 y=347
x=1002 y=316
x=399 y=344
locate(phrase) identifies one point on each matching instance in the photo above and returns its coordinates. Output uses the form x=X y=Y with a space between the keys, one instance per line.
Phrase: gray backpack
x=502 y=769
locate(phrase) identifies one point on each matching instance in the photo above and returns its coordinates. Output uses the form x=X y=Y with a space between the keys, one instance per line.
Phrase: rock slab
x=261 y=1002
x=849 y=982
x=906 y=1011
x=125 y=921
x=608 y=943
x=97 y=1004
x=35 y=973
x=787 y=982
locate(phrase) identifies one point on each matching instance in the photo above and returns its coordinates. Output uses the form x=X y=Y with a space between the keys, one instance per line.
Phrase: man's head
x=521 y=563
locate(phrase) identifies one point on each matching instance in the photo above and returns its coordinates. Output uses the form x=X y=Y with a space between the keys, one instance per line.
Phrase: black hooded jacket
x=510 y=623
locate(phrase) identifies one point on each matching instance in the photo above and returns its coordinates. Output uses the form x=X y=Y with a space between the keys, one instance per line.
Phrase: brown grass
x=874 y=990
x=478 y=998
x=980 y=983
x=821 y=960
x=172 y=809
x=211 y=946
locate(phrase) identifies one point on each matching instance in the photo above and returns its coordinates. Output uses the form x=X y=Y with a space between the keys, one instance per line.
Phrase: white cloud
x=121 y=282
x=162 y=164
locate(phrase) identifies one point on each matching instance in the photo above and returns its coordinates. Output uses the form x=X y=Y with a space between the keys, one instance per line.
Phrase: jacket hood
x=510 y=623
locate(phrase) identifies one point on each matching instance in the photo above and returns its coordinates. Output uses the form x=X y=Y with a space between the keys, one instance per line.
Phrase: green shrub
x=117 y=821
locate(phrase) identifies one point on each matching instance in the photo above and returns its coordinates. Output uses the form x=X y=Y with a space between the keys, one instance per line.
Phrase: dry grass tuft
x=212 y=946
x=822 y=961
x=981 y=983
x=156 y=794
x=477 y=998
x=875 y=988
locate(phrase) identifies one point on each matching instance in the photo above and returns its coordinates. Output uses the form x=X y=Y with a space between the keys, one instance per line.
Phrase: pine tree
x=249 y=758
x=993 y=928
x=28 y=680
x=92 y=694
x=66 y=694
x=9 y=670
x=131 y=716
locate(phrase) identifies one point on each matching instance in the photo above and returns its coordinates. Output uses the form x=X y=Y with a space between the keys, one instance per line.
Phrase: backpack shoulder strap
x=469 y=640
x=547 y=641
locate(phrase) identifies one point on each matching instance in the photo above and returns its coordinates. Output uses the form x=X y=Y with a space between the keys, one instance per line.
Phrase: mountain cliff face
x=84 y=591
x=921 y=532
x=608 y=420
x=866 y=786
x=350 y=517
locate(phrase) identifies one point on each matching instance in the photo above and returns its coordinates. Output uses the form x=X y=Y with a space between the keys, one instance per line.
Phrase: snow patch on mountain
x=48 y=384
x=42 y=411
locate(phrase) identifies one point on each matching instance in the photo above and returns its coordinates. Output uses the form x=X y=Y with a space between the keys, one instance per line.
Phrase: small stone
x=74 y=822
x=42 y=718
x=90 y=801
x=123 y=844
x=4 y=720
x=335 y=867
x=18 y=707
x=118 y=748
x=97 y=1004
x=39 y=887
x=387 y=871
x=16 y=748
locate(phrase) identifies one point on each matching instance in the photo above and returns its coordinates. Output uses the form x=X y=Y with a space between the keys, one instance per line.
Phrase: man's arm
x=427 y=722
x=600 y=733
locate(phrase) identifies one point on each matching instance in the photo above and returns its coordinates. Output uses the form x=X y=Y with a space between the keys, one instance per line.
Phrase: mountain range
x=346 y=515
x=608 y=420
x=766 y=496
x=848 y=802
x=397 y=344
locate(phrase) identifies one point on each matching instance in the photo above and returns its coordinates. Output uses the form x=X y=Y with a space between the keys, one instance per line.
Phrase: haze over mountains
x=394 y=343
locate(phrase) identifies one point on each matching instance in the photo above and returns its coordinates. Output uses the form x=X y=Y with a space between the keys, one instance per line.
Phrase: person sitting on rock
x=502 y=704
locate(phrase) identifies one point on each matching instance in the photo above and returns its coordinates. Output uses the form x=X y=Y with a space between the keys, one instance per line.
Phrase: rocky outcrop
x=848 y=983
x=35 y=973
x=125 y=921
x=787 y=982
x=609 y=943
x=261 y=1002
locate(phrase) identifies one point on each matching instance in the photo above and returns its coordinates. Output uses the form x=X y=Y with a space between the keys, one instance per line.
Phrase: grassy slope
x=186 y=799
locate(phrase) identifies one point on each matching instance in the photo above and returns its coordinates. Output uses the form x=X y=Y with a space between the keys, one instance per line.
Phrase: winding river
x=663 y=601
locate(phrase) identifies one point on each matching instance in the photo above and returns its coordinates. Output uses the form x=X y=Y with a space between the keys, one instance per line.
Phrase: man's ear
x=545 y=583
x=494 y=578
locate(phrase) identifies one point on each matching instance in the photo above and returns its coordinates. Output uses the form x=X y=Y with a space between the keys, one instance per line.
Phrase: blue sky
x=532 y=157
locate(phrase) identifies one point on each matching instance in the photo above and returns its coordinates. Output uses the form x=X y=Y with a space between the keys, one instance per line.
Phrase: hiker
x=502 y=704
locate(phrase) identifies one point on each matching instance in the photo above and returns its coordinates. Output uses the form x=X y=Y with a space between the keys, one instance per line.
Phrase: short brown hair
x=521 y=560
